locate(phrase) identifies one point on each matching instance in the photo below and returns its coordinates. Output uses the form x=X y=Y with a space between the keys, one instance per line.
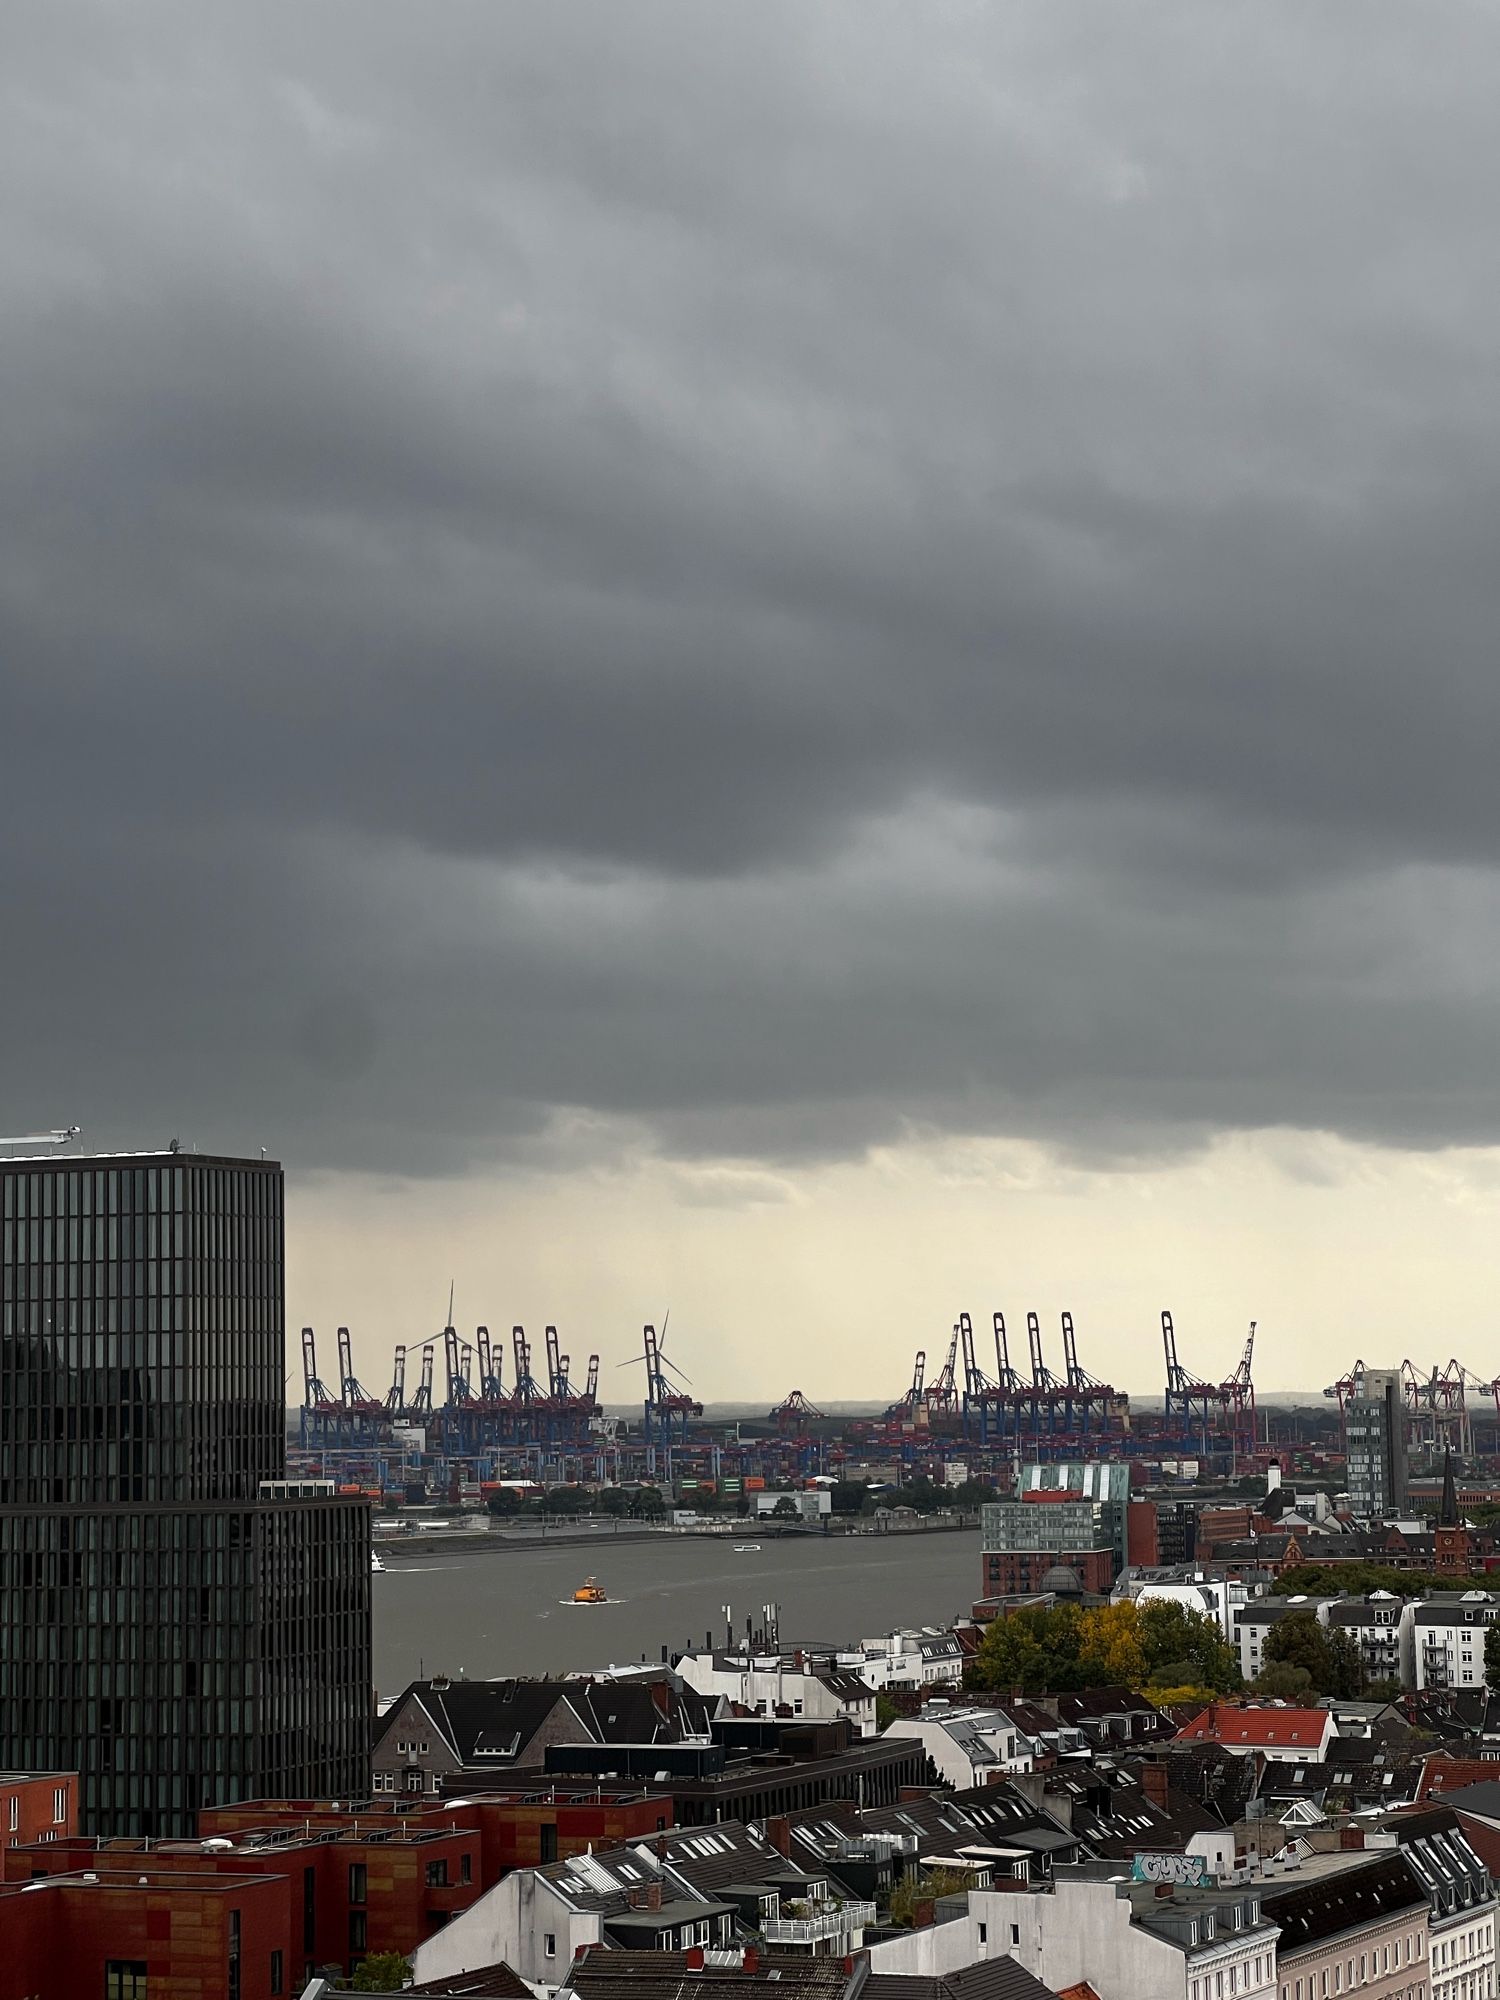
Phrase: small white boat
x=747 y=1548
x=377 y=1561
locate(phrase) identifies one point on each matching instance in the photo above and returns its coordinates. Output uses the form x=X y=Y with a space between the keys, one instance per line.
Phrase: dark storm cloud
x=759 y=577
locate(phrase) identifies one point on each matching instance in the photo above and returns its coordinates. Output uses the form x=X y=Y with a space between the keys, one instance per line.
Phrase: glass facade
x=143 y=1329
x=164 y=1630
x=1375 y=1443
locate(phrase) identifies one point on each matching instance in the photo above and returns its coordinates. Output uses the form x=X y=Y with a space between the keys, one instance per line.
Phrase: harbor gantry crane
x=1189 y=1399
x=668 y=1410
x=421 y=1402
x=1435 y=1404
x=352 y=1392
x=1090 y=1402
x=1013 y=1392
x=325 y=1419
x=906 y=1410
x=525 y=1389
x=557 y=1367
x=395 y=1396
x=1045 y=1389
x=943 y=1392
x=459 y=1394
x=794 y=1413
x=981 y=1395
x=1438 y=1414
x=491 y=1369
x=1238 y=1399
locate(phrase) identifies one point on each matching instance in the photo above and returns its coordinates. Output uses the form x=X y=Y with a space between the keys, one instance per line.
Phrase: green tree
x=1346 y=1674
x=848 y=1496
x=785 y=1508
x=1492 y=1659
x=913 y=1889
x=1184 y=1648
x=1283 y=1682
x=1035 y=1649
x=1298 y=1640
x=1110 y=1652
x=381 y=1972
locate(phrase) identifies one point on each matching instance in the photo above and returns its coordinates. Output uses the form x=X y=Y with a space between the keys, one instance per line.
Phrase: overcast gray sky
x=722 y=612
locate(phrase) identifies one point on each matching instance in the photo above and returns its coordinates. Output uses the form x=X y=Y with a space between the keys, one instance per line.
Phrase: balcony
x=829 y=1920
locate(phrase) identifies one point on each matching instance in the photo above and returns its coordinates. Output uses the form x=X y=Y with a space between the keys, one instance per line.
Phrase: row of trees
x=1172 y=1653
x=1359 y=1579
x=1303 y=1659
x=1163 y=1649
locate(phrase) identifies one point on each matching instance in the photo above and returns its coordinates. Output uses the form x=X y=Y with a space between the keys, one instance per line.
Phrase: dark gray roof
x=1482 y=1799
x=666 y=1975
x=1334 y=1903
x=710 y=1858
x=484 y=1722
x=991 y=1979
x=673 y=1910
x=485 y=1982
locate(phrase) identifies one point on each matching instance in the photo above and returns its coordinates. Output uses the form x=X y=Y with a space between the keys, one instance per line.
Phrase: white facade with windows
x=1253 y=1624
x=1190 y=1946
x=1463 y=1956
x=968 y=1746
x=769 y=1684
x=1448 y=1639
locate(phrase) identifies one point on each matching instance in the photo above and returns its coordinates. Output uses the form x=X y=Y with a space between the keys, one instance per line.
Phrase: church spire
x=1448 y=1507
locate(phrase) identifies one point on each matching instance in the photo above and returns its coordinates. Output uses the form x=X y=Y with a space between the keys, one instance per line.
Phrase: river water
x=487 y=1611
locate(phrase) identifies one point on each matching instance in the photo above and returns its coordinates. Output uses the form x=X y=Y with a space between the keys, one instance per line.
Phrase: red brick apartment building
x=335 y=1894
x=324 y=1885
x=520 y=1827
x=37 y=1806
x=128 y=1933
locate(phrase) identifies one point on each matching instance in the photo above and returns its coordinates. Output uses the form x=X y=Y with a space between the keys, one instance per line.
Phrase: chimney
x=1154 y=1784
x=923 y=1913
x=779 y=1834
x=661 y=1847
x=695 y=1958
x=751 y=1960
x=653 y=1895
x=635 y=1896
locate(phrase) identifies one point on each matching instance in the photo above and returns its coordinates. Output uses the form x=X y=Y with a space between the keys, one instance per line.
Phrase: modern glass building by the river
x=176 y=1623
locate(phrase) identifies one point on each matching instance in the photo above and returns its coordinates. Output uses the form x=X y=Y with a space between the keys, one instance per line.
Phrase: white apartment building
x=772 y=1684
x=1218 y=1597
x=1460 y=1896
x=1186 y=1944
x=1448 y=1639
x=968 y=1745
x=908 y=1659
x=1253 y=1624
x=1381 y=1626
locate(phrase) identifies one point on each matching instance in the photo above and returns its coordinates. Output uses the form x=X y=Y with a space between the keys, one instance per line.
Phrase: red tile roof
x=1261 y=1728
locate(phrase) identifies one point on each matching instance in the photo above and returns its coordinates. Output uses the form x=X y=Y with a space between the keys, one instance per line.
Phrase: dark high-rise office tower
x=1375 y=1441
x=177 y=1622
